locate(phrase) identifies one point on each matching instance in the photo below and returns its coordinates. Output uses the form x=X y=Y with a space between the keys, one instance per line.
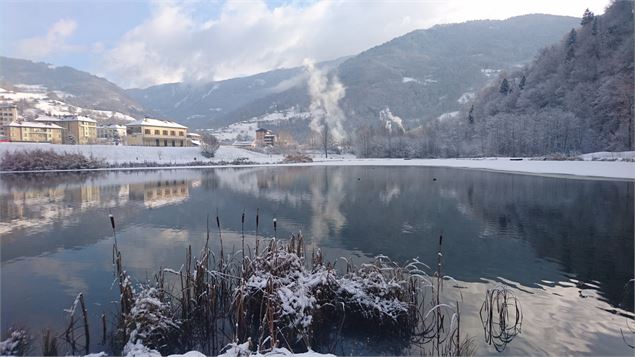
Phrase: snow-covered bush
x=16 y=343
x=150 y=322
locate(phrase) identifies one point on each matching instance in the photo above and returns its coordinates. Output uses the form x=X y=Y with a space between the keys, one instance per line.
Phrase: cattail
x=275 y=227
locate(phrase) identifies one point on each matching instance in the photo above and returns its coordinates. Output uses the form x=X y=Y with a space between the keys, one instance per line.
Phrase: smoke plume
x=325 y=95
x=389 y=119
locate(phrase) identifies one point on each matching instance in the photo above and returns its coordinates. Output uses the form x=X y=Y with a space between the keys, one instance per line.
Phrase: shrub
x=209 y=145
x=33 y=160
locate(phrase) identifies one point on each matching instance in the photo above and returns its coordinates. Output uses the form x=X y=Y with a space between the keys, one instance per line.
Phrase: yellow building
x=155 y=132
x=8 y=114
x=35 y=132
x=77 y=129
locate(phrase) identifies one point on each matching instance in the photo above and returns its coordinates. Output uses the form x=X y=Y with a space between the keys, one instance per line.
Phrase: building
x=193 y=139
x=156 y=132
x=111 y=133
x=77 y=129
x=35 y=132
x=265 y=137
x=8 y=115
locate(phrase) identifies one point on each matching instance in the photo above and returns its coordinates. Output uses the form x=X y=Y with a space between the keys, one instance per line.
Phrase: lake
x=564 y=245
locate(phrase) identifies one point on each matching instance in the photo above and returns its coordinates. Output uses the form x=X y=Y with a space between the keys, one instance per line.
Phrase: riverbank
x=595 y=165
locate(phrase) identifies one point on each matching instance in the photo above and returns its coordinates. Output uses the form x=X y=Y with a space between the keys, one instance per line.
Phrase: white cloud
x=249 y=37
x=53 y=42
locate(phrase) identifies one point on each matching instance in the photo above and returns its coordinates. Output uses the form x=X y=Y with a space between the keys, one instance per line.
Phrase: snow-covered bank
x=600 y=165
x=600 y=169
x=139 y=154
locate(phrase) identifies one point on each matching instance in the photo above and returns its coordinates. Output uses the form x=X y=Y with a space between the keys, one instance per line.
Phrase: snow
x=247 y=128
x=37 y=98
x=408 y=79
x=162 y=155
x=30 y=124
x=449 y=115
x=606 y=168
x=238 y=350
x=489 y=72
x=157 y=122
x=609 y=156
x=466 y=97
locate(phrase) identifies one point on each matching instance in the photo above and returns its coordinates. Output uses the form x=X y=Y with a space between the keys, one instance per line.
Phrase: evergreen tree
x=587 y=18
x=522 y=83
x=504 y=88
x=571 y=39
x=470 y=115
x=594 y=28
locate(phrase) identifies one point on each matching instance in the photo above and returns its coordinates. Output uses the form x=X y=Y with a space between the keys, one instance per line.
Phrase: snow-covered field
x=602 y=165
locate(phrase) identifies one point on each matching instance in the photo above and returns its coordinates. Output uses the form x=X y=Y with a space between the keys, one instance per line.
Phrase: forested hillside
x=576 y=96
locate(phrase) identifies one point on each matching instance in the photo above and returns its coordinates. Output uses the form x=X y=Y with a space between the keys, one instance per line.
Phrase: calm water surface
x=564 y=245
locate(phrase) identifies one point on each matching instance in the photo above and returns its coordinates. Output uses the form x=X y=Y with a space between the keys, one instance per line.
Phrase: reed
x=276 y=298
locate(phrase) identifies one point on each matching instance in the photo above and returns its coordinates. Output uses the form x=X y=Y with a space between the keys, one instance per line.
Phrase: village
x=73 y=129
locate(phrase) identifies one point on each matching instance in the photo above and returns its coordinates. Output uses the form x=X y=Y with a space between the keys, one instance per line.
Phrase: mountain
x=418 y=76
x=582 y=86
x=75 y=87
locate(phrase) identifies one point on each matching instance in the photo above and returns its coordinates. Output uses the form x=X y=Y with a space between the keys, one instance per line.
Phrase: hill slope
x=77 y=88
x=584 y=84
x=420 y=75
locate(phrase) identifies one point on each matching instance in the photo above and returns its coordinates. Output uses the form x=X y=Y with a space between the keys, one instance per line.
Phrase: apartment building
x=35 y=132
x=265 y=137
x=111 y=133
x=77 y=129
x=8 y=114
x=156 y=132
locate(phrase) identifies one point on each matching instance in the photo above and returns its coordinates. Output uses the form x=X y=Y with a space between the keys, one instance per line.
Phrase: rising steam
x=389 y=119
x=325 y=96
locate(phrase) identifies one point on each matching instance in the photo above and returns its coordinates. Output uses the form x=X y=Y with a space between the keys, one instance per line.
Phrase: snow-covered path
x=182 y=156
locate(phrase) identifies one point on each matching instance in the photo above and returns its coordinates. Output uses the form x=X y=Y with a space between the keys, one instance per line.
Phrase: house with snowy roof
x=36 y=132
x=156 y=132
x=77 y=129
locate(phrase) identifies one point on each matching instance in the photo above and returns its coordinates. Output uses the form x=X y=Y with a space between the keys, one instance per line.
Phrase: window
x=180 y=133
x=147 y=131
x=172 y=133
x=157 y=142
x=181 y=141
x=165 y=142
x=173 y=143
x=165 y=132
x=157 y=132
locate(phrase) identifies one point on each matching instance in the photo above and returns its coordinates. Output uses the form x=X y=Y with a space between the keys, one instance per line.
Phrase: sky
x=144 y=43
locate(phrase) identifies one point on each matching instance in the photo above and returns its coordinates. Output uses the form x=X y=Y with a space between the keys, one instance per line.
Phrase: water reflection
x=565 y=246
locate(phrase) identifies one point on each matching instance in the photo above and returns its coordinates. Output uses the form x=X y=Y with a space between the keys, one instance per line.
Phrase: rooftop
x=48 y=118
x=112 y=126
x=32 y=124
x=156 y=122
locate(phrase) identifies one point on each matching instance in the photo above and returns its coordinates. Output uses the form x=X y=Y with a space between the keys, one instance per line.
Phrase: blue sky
x=141 y=43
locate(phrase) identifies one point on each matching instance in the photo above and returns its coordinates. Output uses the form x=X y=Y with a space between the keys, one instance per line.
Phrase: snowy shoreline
x=178 y=158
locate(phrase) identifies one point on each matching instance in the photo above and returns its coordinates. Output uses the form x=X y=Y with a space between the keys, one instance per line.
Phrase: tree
x=594 y=28
x=571 y=39
x=587 y=17
x=209 y=145
x=504 y=88
x=470 y=115
x=522 y=83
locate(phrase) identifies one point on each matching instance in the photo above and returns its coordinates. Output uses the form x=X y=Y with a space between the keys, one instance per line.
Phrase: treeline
x=576 y=97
